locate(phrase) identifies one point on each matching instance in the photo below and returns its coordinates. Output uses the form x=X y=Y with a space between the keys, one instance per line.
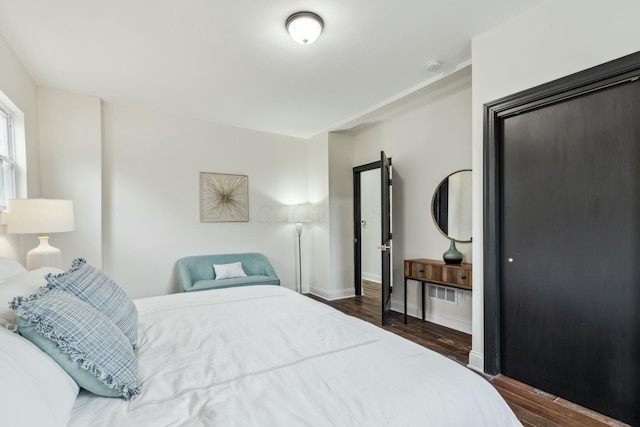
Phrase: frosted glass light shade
x=40 y=216
x=304 y=27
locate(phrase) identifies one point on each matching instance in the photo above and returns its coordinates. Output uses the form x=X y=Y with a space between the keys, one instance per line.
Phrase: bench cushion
x=236 y=281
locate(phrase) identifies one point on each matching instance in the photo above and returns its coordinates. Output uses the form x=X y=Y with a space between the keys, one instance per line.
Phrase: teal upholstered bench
x=196 y=273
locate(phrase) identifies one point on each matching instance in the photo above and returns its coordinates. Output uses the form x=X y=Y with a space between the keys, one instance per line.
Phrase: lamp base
x=44 y=255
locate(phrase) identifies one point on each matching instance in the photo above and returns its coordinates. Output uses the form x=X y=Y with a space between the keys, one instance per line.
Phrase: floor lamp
x=28 y=216
x=299 y=214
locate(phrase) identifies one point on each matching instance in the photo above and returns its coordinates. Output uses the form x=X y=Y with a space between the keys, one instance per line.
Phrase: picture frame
x=224 y=197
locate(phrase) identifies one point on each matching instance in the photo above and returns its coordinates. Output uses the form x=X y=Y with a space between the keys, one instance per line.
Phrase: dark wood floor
x=533 y=407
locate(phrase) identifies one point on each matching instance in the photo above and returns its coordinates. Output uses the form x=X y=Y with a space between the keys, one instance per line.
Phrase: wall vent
x=443 y=293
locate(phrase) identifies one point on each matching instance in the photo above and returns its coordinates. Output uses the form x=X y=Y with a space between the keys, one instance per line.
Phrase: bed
x=268 y=356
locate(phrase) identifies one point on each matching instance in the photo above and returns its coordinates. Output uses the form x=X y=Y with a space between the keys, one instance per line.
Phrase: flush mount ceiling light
x=304 y=27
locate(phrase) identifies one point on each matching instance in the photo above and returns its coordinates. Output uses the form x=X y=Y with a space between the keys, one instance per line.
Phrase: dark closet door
x=570 y=249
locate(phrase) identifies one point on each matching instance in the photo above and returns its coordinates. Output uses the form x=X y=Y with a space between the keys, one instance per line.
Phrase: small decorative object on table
x=453 y=255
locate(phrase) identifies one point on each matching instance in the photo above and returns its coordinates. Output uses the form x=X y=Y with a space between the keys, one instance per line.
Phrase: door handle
x=383 y=247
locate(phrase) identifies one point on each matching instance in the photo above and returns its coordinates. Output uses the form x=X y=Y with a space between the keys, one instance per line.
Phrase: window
x=7 y=157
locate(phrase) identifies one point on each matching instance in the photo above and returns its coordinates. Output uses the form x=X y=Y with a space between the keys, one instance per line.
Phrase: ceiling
x=232 y=61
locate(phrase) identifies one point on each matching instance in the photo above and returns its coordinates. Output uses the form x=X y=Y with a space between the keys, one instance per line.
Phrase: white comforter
x=267 y=356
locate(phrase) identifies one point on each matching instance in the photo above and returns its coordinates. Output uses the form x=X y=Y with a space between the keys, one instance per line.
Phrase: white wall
x=547 y=42
x=71 y=168
x=426 y=143
x=133 y=177
x=318 y=188
x=17 y=85
x=341 y=216
x=151 y=166
x=331 y=191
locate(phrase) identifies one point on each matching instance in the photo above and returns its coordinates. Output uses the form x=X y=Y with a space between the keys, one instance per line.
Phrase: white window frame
x=7 y=159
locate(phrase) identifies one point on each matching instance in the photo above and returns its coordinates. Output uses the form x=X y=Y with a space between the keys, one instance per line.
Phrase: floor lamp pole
x=299 y=231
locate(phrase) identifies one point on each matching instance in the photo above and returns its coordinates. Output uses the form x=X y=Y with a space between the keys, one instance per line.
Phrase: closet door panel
x=570 y=249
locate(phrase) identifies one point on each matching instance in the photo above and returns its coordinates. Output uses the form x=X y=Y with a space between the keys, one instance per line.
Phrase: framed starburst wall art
x=224 y=197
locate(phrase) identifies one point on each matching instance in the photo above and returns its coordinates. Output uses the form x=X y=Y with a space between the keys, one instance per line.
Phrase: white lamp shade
x=300 y=213
x=40 y=216
x=304 y=27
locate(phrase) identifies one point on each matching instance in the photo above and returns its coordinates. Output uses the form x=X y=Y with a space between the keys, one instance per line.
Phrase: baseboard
x=476 y=361
x=332 y=295
x=462 y=325
x=399 y=307
x=370 y=277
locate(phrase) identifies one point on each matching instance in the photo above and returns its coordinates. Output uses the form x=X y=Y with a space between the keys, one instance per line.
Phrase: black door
x=385 y=246
x=569 y=249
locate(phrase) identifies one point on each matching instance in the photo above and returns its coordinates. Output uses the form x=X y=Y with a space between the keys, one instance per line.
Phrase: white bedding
x=267 y=356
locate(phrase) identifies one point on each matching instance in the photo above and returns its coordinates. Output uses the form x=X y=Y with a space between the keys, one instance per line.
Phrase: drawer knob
x=463 y=277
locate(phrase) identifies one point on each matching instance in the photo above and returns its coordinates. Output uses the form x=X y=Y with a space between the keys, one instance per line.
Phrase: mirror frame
x=433 y=198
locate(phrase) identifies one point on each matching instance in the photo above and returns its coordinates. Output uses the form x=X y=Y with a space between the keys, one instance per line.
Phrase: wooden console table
x=434 y=271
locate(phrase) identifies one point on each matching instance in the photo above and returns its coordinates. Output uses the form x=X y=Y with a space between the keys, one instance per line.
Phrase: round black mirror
x=451 y=206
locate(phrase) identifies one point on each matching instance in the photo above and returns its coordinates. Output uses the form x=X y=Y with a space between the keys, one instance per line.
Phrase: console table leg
x=423 y=301
x=405 y=300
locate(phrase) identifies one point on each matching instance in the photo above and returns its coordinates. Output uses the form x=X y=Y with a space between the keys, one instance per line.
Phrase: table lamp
x=41 y=216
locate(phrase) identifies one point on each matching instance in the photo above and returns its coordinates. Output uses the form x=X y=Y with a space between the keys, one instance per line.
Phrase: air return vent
x=442 y=293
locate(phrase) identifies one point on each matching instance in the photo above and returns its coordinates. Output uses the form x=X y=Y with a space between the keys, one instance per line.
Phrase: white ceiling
x=232 y=61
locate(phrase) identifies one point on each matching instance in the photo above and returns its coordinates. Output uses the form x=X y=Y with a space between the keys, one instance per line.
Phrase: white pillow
x=35 y=390
x=229 y=271
x=22 y=285
x=9 y=267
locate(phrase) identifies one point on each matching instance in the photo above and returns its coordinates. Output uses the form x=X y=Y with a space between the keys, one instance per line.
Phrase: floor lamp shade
x=299 y=214
x=30 y=216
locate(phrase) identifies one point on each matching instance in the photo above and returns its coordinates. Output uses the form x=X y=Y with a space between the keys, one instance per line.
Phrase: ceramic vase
x=453 y=255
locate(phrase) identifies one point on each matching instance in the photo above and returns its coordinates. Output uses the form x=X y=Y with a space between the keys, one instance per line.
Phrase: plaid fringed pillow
x=81 y=339
x=94 y=287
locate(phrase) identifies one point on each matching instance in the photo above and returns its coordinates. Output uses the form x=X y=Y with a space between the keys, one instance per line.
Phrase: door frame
x=357 y=217
x=614 y=72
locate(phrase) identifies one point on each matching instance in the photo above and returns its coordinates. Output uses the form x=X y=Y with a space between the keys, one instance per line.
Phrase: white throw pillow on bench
x=228 y=271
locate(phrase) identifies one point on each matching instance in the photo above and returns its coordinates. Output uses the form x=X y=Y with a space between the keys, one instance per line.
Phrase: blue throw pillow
x=81 y=339
x=95 y=288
